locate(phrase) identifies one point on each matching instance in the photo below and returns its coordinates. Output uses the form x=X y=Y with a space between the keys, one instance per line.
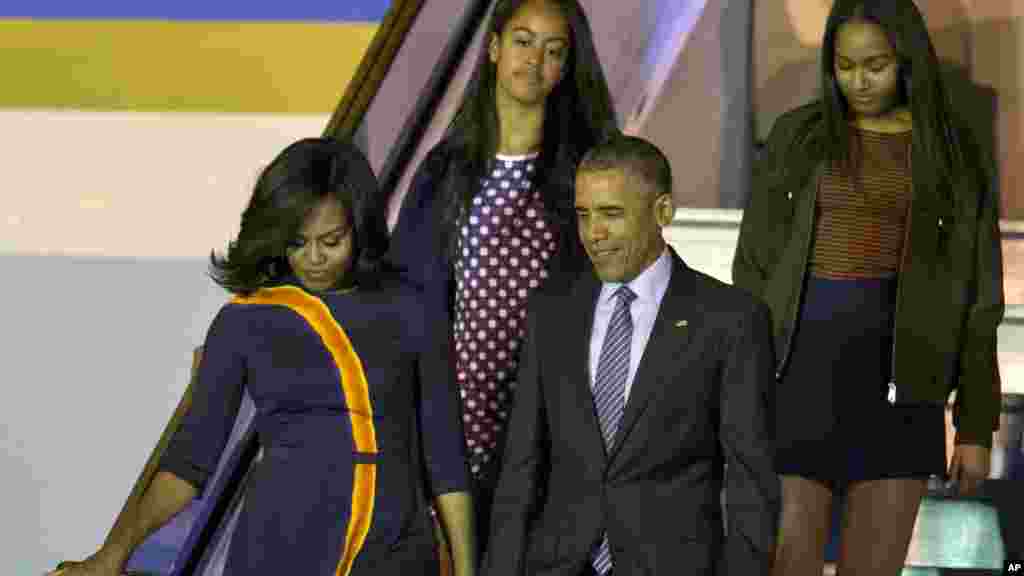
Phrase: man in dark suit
x=644 y=392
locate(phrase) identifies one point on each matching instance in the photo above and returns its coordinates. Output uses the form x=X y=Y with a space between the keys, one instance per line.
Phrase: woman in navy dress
x=351 y=377
x=489 y=216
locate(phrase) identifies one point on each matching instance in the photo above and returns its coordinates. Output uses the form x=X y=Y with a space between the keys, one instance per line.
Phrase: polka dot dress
x=505 y=243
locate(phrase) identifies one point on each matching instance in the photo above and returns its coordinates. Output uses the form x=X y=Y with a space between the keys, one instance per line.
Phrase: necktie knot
x=625 y=296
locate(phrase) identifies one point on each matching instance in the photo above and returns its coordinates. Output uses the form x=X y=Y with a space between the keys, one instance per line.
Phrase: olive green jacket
x=950 y=293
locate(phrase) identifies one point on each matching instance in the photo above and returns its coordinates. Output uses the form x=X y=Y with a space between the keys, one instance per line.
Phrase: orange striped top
x=861 y=218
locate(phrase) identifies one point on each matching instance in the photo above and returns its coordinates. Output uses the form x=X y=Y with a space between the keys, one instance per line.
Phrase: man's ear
x=665 y=209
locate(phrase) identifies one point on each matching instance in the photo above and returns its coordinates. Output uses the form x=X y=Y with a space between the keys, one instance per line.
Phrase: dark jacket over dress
x=422 y=248
x=422 y=245
x=950 y=291
x=358 y=421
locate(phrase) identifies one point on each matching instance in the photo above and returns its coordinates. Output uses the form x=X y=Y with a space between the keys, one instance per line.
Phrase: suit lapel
x=579 y=393
x=669 y=335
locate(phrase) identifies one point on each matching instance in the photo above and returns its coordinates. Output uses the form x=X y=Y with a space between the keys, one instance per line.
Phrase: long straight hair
x=942 y=148
x=578 y=114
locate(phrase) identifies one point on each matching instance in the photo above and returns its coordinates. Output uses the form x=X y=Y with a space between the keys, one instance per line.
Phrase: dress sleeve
x=417 y=247
x=440 y=411
x=196 y=447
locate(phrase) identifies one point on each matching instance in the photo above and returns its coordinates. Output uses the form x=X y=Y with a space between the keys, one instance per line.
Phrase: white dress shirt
x=649 y=287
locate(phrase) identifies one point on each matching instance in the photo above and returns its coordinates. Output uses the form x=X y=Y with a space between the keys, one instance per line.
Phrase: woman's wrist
x=113 y=555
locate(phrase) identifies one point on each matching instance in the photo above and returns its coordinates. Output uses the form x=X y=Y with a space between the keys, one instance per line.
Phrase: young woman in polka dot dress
x=489 y=216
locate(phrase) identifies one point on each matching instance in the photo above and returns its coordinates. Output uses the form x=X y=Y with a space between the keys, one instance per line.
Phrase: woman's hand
x=456 y=518
x=969 y=467
x=101 y=563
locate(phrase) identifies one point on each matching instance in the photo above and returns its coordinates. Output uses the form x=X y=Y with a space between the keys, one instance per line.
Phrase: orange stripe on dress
x=357 y=397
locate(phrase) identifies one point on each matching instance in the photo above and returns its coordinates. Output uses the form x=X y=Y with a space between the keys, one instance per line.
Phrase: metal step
x=981 y=534
x=957 y=533
x=830 y=570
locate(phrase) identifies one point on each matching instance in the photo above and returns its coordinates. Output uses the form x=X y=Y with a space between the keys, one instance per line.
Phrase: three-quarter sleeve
x=196 y=447
x=440 y=411
x=417 y=247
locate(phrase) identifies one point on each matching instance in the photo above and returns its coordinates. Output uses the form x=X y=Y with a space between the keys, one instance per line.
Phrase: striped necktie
x=610 y=390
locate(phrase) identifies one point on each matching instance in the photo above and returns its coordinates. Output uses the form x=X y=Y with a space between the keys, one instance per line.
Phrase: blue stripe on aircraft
x=240 y=10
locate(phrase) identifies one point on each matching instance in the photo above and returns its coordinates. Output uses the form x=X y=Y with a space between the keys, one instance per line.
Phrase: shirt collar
x=647 y=284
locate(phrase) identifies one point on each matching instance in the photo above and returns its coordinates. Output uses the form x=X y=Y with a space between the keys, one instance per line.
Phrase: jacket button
x=789 y=195
x=940 y=222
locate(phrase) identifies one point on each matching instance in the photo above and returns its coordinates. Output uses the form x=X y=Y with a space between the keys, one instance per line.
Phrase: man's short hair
x=635 y=156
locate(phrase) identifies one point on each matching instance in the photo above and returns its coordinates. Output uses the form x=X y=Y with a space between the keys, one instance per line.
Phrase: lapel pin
x=681 y=323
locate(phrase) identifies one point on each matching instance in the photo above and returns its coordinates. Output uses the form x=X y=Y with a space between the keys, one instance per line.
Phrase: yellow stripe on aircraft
x=275 y=67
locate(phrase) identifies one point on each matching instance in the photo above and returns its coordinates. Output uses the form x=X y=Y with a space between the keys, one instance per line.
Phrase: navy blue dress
x=359 y=421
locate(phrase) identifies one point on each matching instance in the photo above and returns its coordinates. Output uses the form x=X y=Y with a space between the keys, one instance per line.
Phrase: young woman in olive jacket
x=872 y=234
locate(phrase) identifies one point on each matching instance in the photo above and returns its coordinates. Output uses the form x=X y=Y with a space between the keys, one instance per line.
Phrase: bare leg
x=878 y=521
x=804 y=526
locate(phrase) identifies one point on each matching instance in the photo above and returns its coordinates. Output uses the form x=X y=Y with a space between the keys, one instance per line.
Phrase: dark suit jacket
x=698 y=421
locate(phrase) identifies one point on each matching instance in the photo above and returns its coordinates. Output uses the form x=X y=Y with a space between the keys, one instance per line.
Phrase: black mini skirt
x=834 y=423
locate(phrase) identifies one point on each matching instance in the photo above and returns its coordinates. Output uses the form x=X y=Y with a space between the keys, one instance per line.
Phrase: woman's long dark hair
x=943 y=150
x=578 y=114
x=299 y=178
